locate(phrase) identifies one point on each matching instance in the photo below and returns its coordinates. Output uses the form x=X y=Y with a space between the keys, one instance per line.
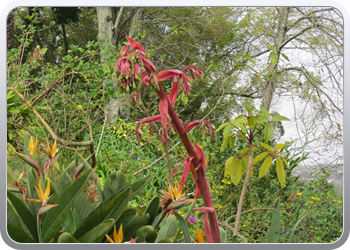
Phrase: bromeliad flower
x=117 y=236
x=194 y=124
x=132 y=59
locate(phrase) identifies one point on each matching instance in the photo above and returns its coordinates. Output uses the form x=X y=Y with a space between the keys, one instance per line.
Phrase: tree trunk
x=138 y=16
x=272 y=69
x=118 y=107
x=10 y=30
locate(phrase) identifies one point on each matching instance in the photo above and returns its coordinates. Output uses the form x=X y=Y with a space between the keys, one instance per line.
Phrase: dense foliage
x=75 y=176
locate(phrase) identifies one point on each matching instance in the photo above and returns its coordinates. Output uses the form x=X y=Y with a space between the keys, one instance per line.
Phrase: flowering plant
x=132 y=60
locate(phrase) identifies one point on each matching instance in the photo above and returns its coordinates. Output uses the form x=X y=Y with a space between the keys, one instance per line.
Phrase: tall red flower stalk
x=168 y=117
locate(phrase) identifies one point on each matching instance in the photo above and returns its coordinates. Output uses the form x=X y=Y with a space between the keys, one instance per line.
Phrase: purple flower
x=192 y=219
x=256 y=195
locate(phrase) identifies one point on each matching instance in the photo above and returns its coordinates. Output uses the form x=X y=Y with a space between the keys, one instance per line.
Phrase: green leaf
x=259 y=157
x=24 y=213
x=229 y=166
x=223 y=235
x=54 y=218
x=18 y=234
x=13 y=217
x=67 y=238
x=168 y=228
x=268 y=132
x=284 y=159
x=232 y=142
x=278 y=147
x=280 y=172
x=96 y=234
x=111 y=210
x=72 y=221
x=43 y=50
x=152 y=209
x=266 y=146
x=146 y=234
x=273 y=234
x=285 y=57
x=225 y=144
x=227 y=130
x=274 y=59
x=279 y=118
x=138 y=185
x=222 y=126
x=236 y=175
x=184 y=228
x=82 y=206
x=135 y=224
x=265 y=166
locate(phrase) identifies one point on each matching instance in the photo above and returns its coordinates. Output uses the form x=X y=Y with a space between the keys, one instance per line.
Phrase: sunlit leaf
x=268 y=132
x=259 y=157
x=279 y=118
x=278 y=147
x=280 y=172
x=266 y=146
x=265 y=166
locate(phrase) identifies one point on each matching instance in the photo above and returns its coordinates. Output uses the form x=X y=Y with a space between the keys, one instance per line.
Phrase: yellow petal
x=109 y=238
x=32 y=145
x=119 y=238
x=47 y=191
x=54 y=149
x=40 y=192
x=199 y=236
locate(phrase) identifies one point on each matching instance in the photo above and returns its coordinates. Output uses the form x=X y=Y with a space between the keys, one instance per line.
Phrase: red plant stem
x=201 y=180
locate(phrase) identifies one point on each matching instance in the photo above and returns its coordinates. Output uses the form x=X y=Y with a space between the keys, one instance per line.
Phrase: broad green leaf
x=278 y=147
x=32 y=177
x=71 y=223
x=54 y=218
x=227 y=130
x=126 y=217
x=146 y=234
x=273 y=234
x=168 y=228
x=266 y=146
x=249 y=109
x=222 y=126
x=111 y=210
x=119 y=182
x=184 y=228
x=259 y=157
x=284 y=159
x=67 y=238
x=265 y=166
x=63 y=179
x=223 y=235
x=13 y=217
x=279 y=118
x=274 y=59
x=135 y=224
x=268 y=132
x=43 y=50
x=229 y=166
x=265 y=113
x=152 y=209
x=96 y=234
x=280 y=172
x=18 y=234
x=236 y=175
x=24 y=213
x=138 y=185
x=225 y=144
x=232 y=142
x=82 y=206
